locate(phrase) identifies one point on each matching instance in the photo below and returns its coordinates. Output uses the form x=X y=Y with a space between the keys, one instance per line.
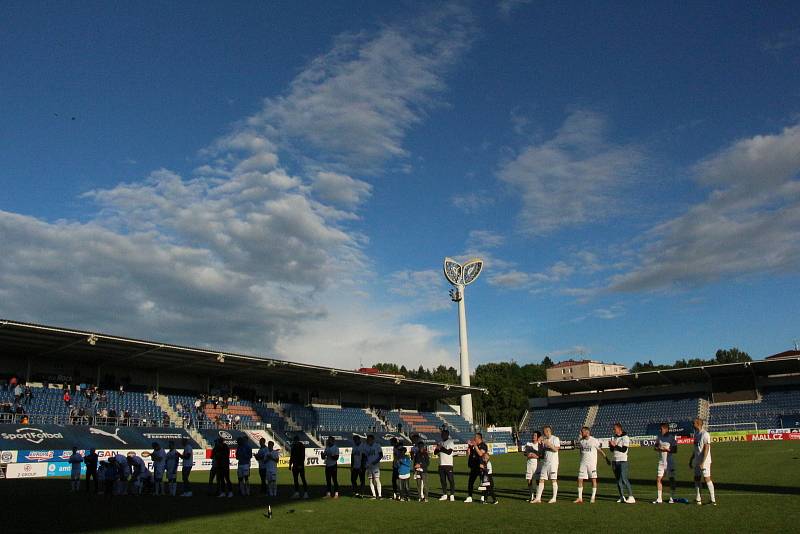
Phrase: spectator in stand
x=12 y=383
x=91 y=469
x=237 y=421
x=297 y=464
x=67 y=398
x=28 y=394
x=121 y=390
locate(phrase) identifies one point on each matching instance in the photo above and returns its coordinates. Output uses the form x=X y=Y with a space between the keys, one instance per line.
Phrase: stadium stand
x=636 y=416
x=764 y=413
x=564 y=421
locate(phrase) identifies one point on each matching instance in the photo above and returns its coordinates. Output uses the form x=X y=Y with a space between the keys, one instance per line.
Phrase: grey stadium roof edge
x=672 y=377
x=104 y=349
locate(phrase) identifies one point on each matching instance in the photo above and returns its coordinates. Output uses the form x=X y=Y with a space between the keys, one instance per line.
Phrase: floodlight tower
x=460 y=276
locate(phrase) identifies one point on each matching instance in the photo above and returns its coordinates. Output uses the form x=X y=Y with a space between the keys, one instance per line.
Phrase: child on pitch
x=403 y=472
x=487 y=480
x=421 y=462
x=75 y=461
x=171 y=466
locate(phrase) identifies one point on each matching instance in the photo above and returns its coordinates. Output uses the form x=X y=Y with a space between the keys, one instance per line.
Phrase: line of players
x=541 y=466
x=542 y=463
x=128 y=474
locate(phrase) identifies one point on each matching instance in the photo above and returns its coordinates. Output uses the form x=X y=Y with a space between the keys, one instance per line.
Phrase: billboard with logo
x=56 y=437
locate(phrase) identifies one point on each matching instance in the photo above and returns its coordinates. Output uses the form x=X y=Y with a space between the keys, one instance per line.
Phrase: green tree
x=732 y=355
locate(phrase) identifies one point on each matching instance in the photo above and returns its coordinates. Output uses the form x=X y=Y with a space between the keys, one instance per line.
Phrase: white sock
x=660 y=493
x=378 y=487
x=710 y=485
x=594 y=491
x=580 y=493
x=555 y=490
x=372 y=487
x=539 y=490
x=697 y=490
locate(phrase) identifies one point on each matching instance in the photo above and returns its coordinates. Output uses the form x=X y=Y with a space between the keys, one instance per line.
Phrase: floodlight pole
x=466 y=400
x=460 y=276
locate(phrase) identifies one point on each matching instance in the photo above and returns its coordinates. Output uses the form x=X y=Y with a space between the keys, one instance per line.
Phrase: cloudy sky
x=285 y=178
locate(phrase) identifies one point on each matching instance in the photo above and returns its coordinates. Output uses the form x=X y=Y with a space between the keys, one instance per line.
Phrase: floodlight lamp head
x=221 y=358
x=472 y=269
x=92 y=340
x=452 y=271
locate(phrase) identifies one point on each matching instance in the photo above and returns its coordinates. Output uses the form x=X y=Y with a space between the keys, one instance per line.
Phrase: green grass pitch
x=758 y=490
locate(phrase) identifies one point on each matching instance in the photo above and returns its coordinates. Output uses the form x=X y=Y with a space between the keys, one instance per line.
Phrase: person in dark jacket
x=297 y=464
x=222 y=459
x=475 y=451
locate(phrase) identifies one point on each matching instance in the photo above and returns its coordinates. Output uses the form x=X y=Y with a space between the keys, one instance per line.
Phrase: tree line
x=509 y=384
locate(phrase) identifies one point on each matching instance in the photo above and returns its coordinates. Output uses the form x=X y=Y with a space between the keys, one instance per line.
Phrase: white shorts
x=667 y=469
x=374 y=472
x=243 y=470
x=586 y=471
x=549 y=472
x=702 y=471
x=532 y=469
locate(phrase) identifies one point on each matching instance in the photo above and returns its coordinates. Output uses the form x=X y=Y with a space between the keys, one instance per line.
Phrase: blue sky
x=285 y=179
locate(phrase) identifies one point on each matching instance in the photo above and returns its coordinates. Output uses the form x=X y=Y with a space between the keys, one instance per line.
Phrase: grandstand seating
x=332 y=419
x=636 y=416
x=564 y=421
x=499 y=437
x=49 y=402
x=765 y=414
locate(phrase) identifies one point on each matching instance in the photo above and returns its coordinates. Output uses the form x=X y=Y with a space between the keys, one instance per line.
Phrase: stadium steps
x=591 y=415
x=704 y=409
x=378 y=422
x=291 y=423
x=524 y=422
x=163 y=403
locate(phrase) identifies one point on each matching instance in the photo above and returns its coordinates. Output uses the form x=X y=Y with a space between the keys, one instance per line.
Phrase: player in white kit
x=666 y=446
x=701 y=461
x=588 y=446
x=374 y=455
x=533 y=451
x=551 y=446
x=158 y=457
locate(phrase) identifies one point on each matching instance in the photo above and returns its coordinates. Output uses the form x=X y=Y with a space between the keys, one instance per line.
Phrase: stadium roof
x=103 y=349
x=670 y=377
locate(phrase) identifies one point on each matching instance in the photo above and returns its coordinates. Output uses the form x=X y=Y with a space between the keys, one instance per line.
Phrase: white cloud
x=340 y=189
x=484 y=239
x=572 y=179
x=424 y=290
x=354 y=104
x=514 y=279
x=472 y=202
x=246 y=255
x=749 y=224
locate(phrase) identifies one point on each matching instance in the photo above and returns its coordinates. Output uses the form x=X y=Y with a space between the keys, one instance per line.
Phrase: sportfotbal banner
x=61 y=438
